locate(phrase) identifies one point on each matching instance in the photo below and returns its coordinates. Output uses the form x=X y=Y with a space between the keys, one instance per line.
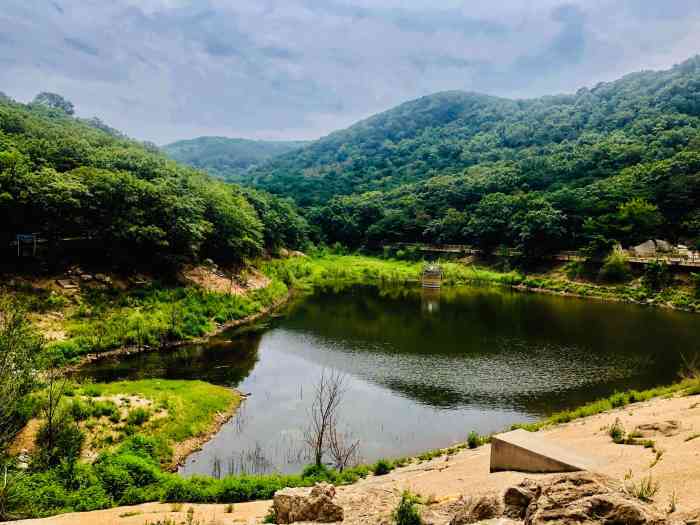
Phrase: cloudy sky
x=163 y=70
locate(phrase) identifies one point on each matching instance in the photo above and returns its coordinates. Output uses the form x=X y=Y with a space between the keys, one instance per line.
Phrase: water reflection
x=425 y=367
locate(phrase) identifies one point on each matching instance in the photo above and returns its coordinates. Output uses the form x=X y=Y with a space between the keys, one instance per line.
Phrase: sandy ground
x=216 y=281
x=467 y=473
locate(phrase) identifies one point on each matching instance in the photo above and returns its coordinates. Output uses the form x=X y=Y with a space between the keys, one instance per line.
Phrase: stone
x=478 y=509
x=516 y=500
x=100 y=277
x=301 y=504
x=67 y=284
x=579 y=498
x=86 y=277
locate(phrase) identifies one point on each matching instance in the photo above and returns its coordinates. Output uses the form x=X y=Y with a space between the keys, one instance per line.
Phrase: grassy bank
x=170 y=410
x=106 y=319
x=132 y=430
x=328 y=269
x=688 y=386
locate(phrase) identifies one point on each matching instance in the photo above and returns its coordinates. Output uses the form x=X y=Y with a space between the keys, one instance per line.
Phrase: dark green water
x=423 y=367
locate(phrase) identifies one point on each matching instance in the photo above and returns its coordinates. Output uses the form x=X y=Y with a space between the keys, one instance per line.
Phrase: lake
x=423 y=368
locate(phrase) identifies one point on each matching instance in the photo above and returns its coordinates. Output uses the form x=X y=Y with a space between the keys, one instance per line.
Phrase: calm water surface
x=423 y=367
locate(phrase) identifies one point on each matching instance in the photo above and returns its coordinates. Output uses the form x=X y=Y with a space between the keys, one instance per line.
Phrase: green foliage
x=617 y=432
x=63 y=177
x=138 y=416
x=619 y=162
x=64 y=446
x=688 y=386
x=20 y=348
x=406 y=512
x=615 y=269
x=381 y=467
x=227 y=158
x=657 y=275
x=695 y=280
x=474 y=440
x=154 y=316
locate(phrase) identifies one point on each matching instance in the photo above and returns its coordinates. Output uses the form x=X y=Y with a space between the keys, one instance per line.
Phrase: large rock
x=303 y=504
x=478 y=509
x=575 y=499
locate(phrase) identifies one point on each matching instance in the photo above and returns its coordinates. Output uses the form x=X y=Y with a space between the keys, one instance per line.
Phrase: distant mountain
x=618 y=161
x=228 y=158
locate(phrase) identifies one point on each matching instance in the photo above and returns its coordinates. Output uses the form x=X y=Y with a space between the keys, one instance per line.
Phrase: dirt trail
x=671 y=423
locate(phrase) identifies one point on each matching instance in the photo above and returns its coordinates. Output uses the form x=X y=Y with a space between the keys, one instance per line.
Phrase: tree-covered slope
x=63 y=177
x=549 y=172
x=227 y=158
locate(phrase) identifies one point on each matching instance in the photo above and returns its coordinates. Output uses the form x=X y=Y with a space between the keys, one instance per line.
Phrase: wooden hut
x=431 y=276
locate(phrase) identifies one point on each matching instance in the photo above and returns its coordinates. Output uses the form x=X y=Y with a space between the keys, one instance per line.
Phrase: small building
x=431 y=276
x=27 y=244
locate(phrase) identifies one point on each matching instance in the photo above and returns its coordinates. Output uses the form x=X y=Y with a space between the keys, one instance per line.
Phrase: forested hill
x=227 y=158
x=618 y=161
x=64 y=177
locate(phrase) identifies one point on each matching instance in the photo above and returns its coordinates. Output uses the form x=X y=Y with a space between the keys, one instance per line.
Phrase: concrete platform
x=523 y=451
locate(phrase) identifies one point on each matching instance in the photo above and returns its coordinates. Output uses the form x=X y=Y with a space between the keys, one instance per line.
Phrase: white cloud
x=168 y=69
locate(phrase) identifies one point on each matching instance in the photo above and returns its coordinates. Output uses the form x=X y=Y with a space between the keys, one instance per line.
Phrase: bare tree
x=343 y=449
x=322 y=436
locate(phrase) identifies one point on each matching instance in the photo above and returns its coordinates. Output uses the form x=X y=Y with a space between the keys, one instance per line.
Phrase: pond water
x=423 y=368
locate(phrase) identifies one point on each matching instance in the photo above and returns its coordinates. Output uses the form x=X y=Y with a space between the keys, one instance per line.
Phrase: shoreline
x=89 y=359
x=546 y=291
x=184 y=449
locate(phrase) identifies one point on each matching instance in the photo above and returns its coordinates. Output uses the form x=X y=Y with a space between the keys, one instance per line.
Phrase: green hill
x=227 y=158
x=619 y=161
x=63 y=177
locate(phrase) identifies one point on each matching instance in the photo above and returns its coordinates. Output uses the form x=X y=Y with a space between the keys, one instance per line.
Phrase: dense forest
x=68 y=178
x=618 y=162
x=226 y=158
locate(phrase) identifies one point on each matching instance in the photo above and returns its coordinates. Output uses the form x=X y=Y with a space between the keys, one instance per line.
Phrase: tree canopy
x=64 y=177
x=619 y=161
x=227 y=158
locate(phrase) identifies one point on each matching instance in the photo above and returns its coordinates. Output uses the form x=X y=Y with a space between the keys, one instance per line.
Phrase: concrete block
x=524 y=451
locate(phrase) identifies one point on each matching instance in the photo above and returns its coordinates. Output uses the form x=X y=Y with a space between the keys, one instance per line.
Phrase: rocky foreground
x=459 y=488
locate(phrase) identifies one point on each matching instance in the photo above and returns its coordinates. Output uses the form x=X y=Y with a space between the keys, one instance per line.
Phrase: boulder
x=303 y=504
x=577 y=498
x=516 y=500
x=478 y=509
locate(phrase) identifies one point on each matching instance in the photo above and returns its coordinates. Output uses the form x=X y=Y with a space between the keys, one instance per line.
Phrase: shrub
x=80 y=410
x=574 y=269
x=617 y=432
x=474 y=440
x=138 y=416
x=616 y=269
x=406 y=513
x=657 y=276
x=644 y=490
x=381 y=467
x=65 y=444
x=695 y=279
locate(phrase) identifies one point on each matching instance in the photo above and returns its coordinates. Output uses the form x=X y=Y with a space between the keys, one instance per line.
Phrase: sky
x=163 y=70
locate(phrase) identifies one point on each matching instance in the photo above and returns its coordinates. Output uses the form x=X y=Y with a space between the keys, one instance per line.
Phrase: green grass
x=153 y=316
x=617 y=400
x=328 y=269
x=191 y=405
